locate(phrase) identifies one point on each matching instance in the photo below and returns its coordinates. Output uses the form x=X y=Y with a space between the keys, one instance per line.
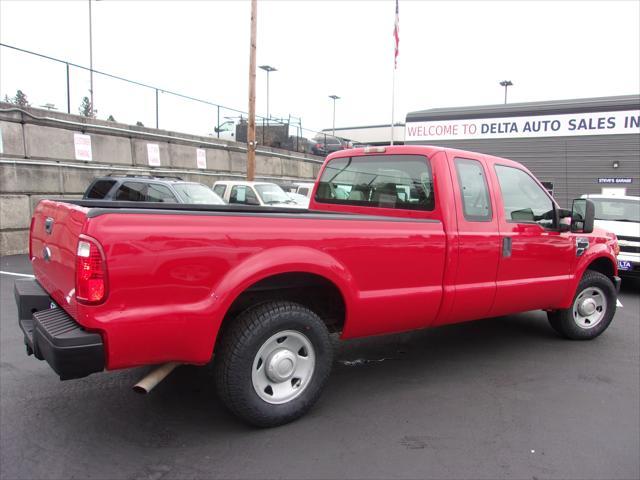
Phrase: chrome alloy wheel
x=589 y=307
x=283 y=367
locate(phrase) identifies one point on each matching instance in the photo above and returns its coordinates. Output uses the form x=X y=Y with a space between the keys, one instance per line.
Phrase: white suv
x=621 y=215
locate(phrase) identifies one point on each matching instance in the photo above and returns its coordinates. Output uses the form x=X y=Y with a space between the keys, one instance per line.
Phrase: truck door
x=478 y=242
x=535 y=259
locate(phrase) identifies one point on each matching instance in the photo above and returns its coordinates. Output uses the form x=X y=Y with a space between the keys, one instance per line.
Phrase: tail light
x=31 y=238
x=91 y=272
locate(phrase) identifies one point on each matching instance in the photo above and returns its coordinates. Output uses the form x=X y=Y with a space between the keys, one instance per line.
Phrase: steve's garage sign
x=565 y=125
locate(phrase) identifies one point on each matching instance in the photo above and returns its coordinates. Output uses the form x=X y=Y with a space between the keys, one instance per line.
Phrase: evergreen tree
x=86 y=109
x=21 y=99
x=111 y=119
x=139 y=124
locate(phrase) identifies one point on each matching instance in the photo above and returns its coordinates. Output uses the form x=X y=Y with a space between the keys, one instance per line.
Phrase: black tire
x=240 y=343
x=564 y=321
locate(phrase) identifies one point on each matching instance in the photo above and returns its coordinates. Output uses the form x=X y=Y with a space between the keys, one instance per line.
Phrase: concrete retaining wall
x=41 y=157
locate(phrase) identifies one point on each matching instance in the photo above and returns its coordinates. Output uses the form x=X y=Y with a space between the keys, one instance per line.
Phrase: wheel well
x=602 y=265
x=318 y=294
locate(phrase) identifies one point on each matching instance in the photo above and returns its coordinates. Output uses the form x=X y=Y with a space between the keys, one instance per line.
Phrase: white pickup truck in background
x=620 y=214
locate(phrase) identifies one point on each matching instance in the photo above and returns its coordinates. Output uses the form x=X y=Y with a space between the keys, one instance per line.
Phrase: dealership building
x=573 y=146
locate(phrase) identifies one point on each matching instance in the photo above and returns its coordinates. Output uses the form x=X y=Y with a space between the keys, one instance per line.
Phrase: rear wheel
x=592 y=309
x=272 y=363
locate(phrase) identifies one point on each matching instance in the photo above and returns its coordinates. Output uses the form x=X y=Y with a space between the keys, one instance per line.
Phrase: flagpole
x=393 y=102
x=396 y=37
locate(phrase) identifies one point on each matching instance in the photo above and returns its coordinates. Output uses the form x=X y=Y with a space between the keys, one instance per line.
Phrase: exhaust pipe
x=154 y=377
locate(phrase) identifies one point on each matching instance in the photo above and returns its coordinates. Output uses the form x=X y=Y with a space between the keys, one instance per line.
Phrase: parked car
x=146 y=188
x=621 y=215
x=253 y=193
x=323 y=144
x=298 y=199
x=304 y=188
x=427 y=236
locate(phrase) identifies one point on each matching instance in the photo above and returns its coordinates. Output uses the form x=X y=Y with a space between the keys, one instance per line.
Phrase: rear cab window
x=400 y=182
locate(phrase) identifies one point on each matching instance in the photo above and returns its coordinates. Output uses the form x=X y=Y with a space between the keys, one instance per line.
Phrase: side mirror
x=216 y=129
x=582 y=215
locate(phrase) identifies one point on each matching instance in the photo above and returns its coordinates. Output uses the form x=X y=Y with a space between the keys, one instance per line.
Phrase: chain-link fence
x=63 y=85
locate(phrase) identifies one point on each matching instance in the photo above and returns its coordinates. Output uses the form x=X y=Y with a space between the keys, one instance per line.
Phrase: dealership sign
x=565 y=125
x=615 y=180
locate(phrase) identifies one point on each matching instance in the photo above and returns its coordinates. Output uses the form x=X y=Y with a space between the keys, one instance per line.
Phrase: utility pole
x=91 y=57
x=506 y=84
x=251 y=126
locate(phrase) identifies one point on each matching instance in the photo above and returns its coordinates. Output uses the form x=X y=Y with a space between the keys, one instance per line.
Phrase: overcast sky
x=452 y=53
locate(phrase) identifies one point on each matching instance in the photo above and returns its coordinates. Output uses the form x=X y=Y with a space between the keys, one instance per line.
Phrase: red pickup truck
x=395 y=239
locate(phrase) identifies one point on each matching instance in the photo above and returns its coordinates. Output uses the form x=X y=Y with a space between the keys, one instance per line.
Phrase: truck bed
x=175 y=269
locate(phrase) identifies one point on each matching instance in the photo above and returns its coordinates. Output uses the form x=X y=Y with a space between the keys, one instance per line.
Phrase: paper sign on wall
x=82 y=144
x=153 y=154
x=201 y=157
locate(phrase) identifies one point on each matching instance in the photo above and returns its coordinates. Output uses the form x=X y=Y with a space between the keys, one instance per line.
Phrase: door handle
x=506 y=246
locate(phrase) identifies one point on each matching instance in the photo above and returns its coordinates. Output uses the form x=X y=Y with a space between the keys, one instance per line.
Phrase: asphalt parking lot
x=499 y=398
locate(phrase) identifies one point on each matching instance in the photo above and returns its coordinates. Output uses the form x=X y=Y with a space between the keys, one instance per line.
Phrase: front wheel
x=272 y=363
x=592 y=309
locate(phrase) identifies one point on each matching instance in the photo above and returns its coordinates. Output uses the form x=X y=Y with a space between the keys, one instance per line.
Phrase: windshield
x=197 y=193
x=271 y=193
x=617 y=209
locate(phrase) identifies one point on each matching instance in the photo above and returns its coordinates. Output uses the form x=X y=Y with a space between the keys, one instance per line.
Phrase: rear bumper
x=52 y=335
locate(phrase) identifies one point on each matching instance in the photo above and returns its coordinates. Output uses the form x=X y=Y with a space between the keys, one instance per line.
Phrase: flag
x=396 y=36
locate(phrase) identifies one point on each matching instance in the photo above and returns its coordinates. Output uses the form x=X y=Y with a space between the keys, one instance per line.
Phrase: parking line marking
x=618 y=303
x=17 y=274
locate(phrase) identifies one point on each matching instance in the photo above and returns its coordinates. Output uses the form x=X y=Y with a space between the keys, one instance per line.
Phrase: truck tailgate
x=55 y=228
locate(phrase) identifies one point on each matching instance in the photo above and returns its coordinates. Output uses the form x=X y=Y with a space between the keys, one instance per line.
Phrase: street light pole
x=91 y=56
x=334 y=97
x=506 y=84
x=268 y=69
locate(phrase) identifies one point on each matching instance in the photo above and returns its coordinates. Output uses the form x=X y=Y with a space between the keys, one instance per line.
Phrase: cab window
x=160 y=193
x=131 y=192
x=383 y=181
x=100 y=188
x=144 y=192
x=473 y=187
x=243 y=195
x=524 y=200
x=219 y=189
